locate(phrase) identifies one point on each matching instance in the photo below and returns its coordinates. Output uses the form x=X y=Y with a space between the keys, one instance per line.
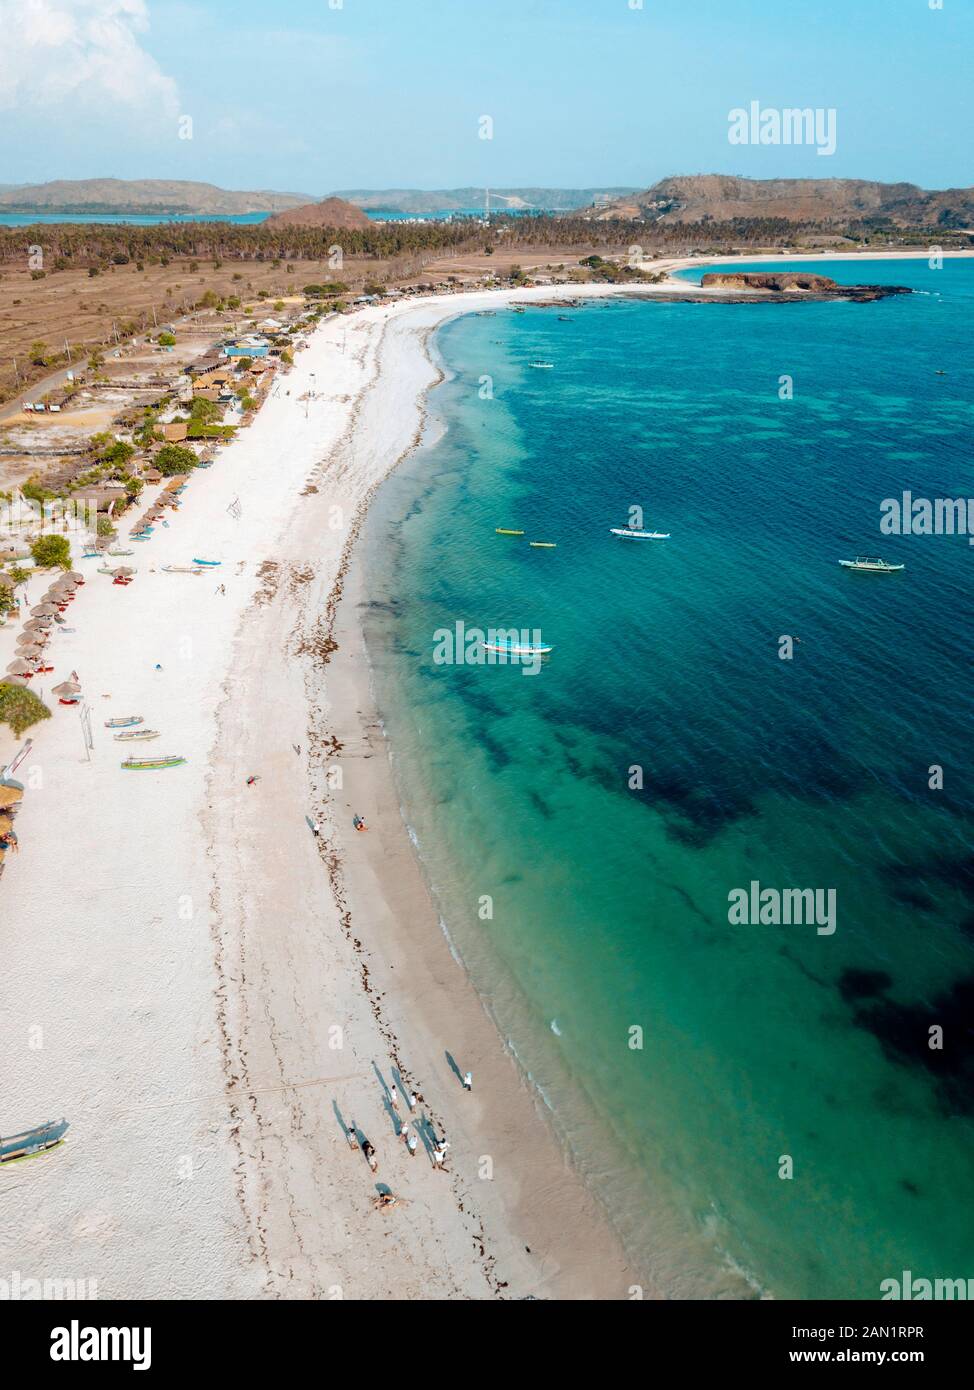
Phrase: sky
x=313 y=96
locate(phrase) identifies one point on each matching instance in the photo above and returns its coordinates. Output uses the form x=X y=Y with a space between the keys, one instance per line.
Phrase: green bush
x=174 y=458
x=51 y=552
x=167 y=339
x=20 y=707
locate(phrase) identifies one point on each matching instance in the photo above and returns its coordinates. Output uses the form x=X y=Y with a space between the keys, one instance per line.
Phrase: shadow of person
x=342 y=1125
x=453 y=1067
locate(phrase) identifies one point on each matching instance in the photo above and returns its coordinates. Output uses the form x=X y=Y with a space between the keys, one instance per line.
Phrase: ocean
x=765 y=1110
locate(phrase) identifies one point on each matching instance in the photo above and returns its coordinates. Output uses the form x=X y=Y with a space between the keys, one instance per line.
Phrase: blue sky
x=316 y=95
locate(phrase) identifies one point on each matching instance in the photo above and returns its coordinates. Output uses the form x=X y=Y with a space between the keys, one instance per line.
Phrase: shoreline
x=209 y=1032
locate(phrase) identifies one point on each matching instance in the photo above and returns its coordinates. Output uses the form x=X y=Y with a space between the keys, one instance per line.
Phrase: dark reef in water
x=903 y=1032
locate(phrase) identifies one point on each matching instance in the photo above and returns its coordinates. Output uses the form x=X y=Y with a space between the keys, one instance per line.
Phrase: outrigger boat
x=132 y=735
x=182 y=569
x=209 y=563
x=121 y=552
x=506 y=531
x=32 y=1141
x=629 y=534
x=543 y=545
x=872 y=564
x=145 y=764
x=518 y=649
x=124 y=721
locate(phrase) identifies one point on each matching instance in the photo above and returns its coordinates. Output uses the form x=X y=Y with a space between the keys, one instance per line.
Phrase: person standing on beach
x=352 y=1137
x=394 y=1097
x=369 y=1152
x=404 y=1131
x=412 y=1143
x=439 y=1157
x=468 y=1081
x=411 y=1100
x=316 y=828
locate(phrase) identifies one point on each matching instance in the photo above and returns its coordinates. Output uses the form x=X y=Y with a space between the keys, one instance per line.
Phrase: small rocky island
x=795 y=284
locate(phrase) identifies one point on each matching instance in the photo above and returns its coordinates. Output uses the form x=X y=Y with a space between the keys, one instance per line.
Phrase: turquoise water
x=610 y=894
x=243 y=219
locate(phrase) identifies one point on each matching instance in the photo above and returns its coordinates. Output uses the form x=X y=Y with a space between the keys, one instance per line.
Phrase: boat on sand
x=31 y=1142
x=148 y=764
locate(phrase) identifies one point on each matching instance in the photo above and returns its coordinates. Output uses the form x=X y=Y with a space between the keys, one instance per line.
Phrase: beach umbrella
x=29 y=648
x=38 y=625
x=21 y=667
x=75 y=577
x=9 y=796
x=44 y=610
x=66 y=689
x=12 y=680
x=123 y=571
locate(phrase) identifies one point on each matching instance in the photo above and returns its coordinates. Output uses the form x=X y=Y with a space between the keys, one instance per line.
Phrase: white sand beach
x=204 y=989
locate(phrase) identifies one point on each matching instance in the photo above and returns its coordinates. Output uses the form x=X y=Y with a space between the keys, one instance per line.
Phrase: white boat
x=629 y=534
x=872 y=564
x=518 y=649
x=541 y=364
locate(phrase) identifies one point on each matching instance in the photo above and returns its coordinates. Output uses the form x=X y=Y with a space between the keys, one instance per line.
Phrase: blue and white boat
x=211 y=563
x=504 y=646
x=32 y=1141
x=629 y=534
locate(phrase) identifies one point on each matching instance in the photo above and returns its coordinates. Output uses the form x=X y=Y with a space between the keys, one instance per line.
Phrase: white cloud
x=65 y=52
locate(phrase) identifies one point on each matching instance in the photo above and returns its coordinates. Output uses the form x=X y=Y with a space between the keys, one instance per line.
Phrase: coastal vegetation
x=51 y=552
x=20 y=707
x=173 y=459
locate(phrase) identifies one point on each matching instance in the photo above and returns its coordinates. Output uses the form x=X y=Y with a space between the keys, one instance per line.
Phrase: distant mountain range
x=722 y=198
x=419 y=202
x=158 y=196
x=688 y=198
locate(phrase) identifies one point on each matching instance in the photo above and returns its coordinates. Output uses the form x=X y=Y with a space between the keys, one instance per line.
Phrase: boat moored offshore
x=628 y=533
x=871 y=564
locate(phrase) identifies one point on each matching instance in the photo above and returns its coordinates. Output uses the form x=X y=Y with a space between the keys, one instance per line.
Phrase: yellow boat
x=503 y=531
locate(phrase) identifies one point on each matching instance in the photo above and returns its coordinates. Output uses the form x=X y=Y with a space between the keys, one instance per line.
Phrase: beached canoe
x=134 y=735
x=210 y=563
x=182 y=569
x=31 y=1142
x=147 y=764
x=124 y=721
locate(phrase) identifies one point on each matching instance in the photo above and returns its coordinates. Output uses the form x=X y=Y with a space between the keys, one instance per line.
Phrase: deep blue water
x=666 y=755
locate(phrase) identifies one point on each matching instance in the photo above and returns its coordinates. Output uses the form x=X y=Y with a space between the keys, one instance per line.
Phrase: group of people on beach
x=437 y=1147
